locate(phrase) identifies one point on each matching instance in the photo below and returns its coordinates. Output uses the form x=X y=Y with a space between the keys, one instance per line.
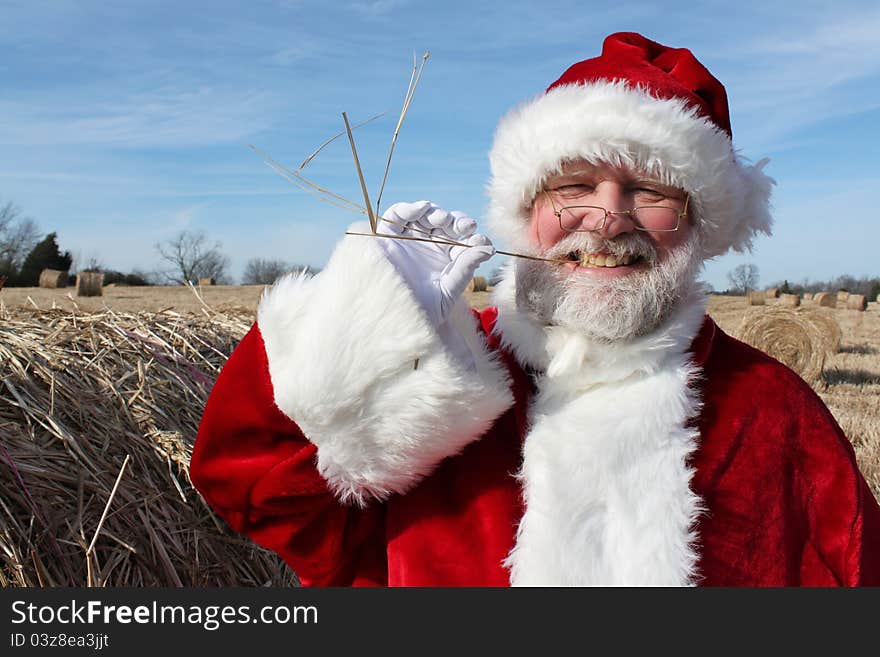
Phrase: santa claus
x=595 y=427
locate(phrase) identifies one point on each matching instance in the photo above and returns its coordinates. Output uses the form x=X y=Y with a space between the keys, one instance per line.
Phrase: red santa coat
x=715 y=466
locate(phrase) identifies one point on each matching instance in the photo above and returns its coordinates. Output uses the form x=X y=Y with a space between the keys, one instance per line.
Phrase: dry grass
x=94 y=395
x=89 y=399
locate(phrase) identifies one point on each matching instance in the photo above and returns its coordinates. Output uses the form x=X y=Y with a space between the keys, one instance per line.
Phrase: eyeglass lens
x=589 y=218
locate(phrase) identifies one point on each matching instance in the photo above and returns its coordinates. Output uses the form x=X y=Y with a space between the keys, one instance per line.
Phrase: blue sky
x=123 y=123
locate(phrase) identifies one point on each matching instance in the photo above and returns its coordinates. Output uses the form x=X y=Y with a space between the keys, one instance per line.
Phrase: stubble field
x=100 y=400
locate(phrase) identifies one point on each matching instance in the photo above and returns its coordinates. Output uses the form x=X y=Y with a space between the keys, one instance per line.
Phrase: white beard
x=609 y=310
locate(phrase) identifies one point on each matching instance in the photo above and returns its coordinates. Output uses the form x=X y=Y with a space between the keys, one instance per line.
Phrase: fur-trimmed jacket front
x=342 y=435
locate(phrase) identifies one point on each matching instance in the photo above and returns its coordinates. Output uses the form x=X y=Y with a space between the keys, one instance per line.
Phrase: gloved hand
x=437 y=273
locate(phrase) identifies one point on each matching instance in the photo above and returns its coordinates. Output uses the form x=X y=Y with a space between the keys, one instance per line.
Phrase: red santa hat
x=638 y=104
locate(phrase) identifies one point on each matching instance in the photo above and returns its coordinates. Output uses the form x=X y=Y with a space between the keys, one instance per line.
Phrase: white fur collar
x=578 y=362
x=604 y=474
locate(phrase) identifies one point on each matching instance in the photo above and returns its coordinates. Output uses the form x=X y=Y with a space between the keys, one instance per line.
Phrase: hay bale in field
x=828 y=327
x=825 y=300
x=789 y=300
x=478 y=284
x=789 y=337
x=85 y=397
x=808 y=296
x=53 y=278
x=89 y=284
x=755 y=298
x=857 y=302
x=772 y=293
x=207 y=281
x=842 y=296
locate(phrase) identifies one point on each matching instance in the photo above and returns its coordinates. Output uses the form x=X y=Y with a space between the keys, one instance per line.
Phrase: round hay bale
x=478 y=284
x=825 y=299
x=207 y=281
x=755 y=298
x=808 y=296
x=110 y=395
x=53 y=278
x=89 y=283
x=828 y=327
x=842 y=296
x=789 y=300
x=857 y=302
x=789 y=337
x=772 y=292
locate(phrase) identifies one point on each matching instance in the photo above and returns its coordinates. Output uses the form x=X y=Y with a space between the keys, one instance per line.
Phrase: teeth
x=602 y=260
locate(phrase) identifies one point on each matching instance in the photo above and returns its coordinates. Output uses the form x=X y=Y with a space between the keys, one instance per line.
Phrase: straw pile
x=89 y=401
x=808 y=296
x=207 y=281
x=89 y=284
x=842 y=296
x=857 y=302
x=478 y=284
x=772 y=292
x=755 y=298
x=789 y=300
x=53 y=278
x=825 y=299
x=789 y=337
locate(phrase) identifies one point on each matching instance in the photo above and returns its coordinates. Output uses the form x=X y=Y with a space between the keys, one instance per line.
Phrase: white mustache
x=633 y=245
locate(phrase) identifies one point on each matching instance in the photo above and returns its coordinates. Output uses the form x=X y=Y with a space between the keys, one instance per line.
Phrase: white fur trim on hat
x=619 y=124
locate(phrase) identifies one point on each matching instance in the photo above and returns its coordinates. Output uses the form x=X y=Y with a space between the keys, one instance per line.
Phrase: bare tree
x=190 y=256
x=261 y=271
x=18 y=235
x=743 y=278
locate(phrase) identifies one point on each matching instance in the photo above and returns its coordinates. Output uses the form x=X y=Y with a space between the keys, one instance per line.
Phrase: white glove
x=437 y=273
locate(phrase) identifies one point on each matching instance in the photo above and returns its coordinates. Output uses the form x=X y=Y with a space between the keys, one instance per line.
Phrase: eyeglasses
x=647 y=218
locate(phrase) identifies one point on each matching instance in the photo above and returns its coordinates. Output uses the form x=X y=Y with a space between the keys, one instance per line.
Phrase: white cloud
x=805 y=72
x=171 y=118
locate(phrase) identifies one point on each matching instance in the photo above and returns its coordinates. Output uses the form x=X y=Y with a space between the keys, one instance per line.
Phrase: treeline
x=869 y=286
x=188 y=257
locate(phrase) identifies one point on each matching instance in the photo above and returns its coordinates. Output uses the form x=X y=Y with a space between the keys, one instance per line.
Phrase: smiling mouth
x=603 y=260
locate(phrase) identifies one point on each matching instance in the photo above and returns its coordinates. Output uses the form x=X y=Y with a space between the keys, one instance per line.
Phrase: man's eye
x=647 y=192
x=573 y=190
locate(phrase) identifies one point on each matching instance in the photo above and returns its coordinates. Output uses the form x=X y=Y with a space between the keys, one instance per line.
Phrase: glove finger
x=406 y=213
x=409 y=211
x=437 y=220
x=478 y=240
x=390 y=223
x=461 y=270
x=463 y=226
x=472 y=258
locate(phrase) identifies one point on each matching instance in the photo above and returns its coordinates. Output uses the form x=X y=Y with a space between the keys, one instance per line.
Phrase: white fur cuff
x=342 y=350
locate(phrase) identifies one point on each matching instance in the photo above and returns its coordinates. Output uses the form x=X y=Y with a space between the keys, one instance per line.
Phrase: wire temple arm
x=451 y=243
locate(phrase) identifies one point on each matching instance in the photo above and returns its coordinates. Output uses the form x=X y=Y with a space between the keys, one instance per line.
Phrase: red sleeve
x=255 y=468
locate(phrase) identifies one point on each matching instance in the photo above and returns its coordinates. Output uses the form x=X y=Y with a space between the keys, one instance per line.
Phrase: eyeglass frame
x=681 y=214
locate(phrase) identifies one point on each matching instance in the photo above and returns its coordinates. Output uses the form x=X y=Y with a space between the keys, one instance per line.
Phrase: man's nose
x=618 y=203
